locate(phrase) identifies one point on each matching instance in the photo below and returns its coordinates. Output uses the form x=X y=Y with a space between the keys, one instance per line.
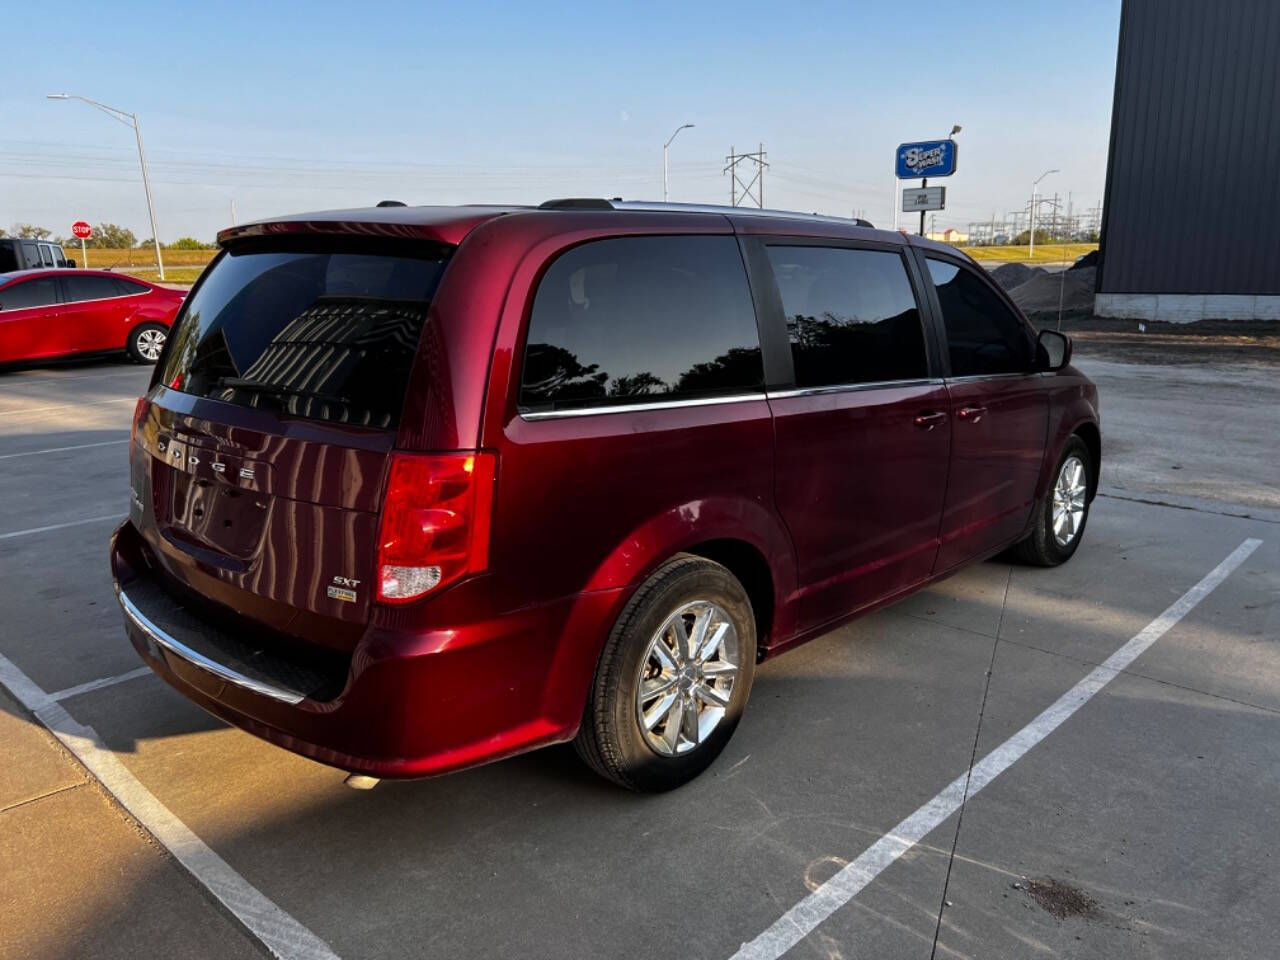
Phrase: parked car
x=53 y=313
x=414 y=489
x=22 y=253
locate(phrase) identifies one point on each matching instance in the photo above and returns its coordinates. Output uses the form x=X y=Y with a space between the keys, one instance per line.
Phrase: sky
x=283 y=107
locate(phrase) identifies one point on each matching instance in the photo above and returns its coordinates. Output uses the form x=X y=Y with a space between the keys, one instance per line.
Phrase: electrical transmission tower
x=752 y=191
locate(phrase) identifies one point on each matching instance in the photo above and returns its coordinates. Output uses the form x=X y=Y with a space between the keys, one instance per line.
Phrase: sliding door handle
x=929 y=419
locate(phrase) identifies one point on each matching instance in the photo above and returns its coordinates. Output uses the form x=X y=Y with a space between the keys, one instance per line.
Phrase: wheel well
x=1089 y=433
x=752 y=570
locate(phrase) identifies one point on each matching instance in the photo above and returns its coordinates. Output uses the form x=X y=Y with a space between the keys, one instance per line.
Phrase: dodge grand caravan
x=414 y=489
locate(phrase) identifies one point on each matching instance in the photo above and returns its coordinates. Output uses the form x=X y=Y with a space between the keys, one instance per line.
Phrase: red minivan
x=414 y=489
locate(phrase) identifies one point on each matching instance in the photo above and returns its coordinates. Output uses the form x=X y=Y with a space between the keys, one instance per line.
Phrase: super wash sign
x=928 y=158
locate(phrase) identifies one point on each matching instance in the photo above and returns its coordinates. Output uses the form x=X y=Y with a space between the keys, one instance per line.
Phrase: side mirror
x=1053 y=350
x=70 y=262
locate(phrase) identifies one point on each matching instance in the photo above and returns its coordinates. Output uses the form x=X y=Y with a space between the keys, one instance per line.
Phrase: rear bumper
x=413 y=703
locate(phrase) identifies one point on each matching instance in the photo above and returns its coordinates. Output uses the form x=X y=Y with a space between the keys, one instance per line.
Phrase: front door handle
x=929 y=419
x=972 y=414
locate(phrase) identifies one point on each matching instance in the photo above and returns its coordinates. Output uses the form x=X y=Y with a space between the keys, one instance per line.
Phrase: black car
x=23 y=253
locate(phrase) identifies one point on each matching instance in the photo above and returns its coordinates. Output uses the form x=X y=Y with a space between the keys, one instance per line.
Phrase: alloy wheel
x=687 y=677
x=150 y=343
x=1069 y=501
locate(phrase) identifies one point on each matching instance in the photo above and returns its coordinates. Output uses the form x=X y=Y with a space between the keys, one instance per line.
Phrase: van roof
x=450 y=224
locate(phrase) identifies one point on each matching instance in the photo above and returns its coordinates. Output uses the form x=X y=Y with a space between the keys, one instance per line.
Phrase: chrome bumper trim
x=181 y=650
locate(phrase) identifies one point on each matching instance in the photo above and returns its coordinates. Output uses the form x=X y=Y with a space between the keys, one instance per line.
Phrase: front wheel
x=1061 y=516
x=146 y=342
x=673 y=678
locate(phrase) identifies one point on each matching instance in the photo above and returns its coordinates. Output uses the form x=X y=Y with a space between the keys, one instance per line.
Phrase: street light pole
x=129 y=120
x=1031 y=232
x=684 y=126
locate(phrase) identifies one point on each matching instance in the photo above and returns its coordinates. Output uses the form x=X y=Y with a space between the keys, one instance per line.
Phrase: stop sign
x=82 y=230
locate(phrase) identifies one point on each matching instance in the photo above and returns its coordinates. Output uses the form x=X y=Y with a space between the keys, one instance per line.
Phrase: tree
x=189 y=243
x=112 y=236
x=30 y=231
x=1042 y=236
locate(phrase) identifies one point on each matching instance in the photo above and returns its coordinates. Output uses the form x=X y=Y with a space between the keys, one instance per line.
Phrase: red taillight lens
x=435 y=522
x=140 y=411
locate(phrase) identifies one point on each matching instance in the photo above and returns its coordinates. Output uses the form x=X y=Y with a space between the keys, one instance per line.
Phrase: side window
x=128 y=287
x=639 y=319
x=89 y=288
x=60 y=256
x=851 y=315
x=39 y=292
x=46 y=256
x=983 y=335
x=31 y=253
x=8 y=257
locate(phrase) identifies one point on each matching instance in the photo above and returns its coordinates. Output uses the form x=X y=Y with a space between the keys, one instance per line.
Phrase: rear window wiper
x=276 y=389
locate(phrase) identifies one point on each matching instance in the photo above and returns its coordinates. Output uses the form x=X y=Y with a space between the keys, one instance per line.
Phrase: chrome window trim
x=181 y=650
x=853 y=387
x=118 y=296
x=975 y=377
x=640 y=407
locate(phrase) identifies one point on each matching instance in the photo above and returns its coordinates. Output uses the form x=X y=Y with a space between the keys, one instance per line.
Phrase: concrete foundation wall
x=1187 y=307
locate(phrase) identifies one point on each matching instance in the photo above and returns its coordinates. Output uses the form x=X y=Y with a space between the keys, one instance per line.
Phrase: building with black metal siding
x=1191 y=221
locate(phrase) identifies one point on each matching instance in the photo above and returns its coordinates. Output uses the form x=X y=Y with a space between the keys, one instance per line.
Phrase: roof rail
x=617 y=203
x=577 y=203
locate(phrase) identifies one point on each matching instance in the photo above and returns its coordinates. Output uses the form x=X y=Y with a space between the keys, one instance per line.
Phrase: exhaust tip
x=358 y=781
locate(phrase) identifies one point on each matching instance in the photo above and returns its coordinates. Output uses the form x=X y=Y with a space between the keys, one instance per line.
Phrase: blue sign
x=929 y=158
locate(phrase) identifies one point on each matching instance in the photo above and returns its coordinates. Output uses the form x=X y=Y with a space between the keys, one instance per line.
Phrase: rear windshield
x=325 y=333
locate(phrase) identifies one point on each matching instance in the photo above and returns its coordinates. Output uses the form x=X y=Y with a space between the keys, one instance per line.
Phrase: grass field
x=1045 y=253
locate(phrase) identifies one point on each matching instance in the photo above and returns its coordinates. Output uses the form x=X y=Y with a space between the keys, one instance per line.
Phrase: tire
x=145 y=342
x=612 y=740
x=1044 y=546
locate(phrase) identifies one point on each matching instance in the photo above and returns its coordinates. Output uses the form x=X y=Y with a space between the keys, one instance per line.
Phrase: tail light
x=435 y=522
x=140 y=411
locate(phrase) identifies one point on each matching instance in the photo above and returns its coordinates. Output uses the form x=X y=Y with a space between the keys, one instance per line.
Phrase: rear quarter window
x=320 y=331
x=641 y=319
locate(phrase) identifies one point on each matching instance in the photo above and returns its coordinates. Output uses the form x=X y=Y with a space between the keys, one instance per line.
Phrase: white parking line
x=794 y=925
x=59 y=526
x=78 y=446
x=99 y=684
x=22 y=381
x=284 y=936
x=66 y=406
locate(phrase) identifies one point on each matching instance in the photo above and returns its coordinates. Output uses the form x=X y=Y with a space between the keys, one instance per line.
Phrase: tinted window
x=640 y=319
x=60 y=256
x=328 y=334
x=126 y=287
x=851 y=315
x=8 y=257
x=46 y=256
x=31 y=251
x=29 y=293
x=983 y=335
x=90 y=288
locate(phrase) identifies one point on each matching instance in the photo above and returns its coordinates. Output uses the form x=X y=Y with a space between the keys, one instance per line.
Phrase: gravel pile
x=1010 y=275
x=1040 y=294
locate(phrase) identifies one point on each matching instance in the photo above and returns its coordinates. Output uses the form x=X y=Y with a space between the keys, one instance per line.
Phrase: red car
x=54 y=313
x=417 y=488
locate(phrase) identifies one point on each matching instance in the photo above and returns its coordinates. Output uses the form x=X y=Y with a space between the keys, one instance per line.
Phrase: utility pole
x=683 y=126
x=1031 y=232
x=753 y=189
x=129 y=120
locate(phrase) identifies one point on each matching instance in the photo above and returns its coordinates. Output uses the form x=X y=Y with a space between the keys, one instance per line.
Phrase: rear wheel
x=1061 y=517
x=673 y=678
x=146 y=342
